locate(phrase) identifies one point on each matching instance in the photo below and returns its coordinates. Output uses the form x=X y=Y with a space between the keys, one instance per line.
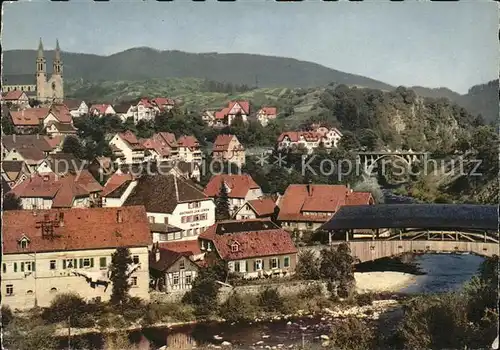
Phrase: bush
x=270 y=300
x=29 y=334
x=7 y=315
x=307 y=265
x=168 y=312
x=311 y=291
x=237 y=308
x=68 y=306
x=132 y=309
x=352 y=334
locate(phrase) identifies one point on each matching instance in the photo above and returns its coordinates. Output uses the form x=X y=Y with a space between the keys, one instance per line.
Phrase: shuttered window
x=102 y=262
x=15 y=267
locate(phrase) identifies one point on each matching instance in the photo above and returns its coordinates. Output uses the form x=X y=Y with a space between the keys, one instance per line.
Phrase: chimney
x=309 y=188
x=119 y=217
x=61 y=219
x=45 y=178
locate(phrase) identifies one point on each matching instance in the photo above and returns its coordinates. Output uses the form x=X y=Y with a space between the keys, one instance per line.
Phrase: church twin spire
x=57 y=64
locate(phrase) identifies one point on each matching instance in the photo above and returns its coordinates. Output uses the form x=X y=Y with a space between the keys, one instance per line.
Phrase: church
x=41 y=88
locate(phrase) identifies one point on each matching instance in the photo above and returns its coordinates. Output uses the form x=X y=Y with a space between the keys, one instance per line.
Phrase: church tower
x=55 y=85
x=41 y=73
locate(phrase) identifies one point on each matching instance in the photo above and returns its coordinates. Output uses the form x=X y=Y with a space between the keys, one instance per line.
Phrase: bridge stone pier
x=363 y=251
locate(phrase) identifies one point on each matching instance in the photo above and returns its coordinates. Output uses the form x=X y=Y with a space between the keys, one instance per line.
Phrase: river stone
x=265 y=336
x=324 y=337
x=273 y=347
x=281 y=345
x=289 y=323
x=226 y=343
x=259 y=342
x=217 y=337
x=325 y=343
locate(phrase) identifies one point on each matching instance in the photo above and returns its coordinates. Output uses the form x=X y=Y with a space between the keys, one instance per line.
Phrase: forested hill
x=146 y=63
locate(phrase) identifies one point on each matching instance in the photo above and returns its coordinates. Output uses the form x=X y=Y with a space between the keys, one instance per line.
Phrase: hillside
x=147 y=63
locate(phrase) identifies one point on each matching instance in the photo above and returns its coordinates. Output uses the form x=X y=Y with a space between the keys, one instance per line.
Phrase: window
x=274 y=263
x=234 y=247
x=15 y=267
x=69 y=264
x=151 y=219
x=4 y=268
x=24 y=243
x=86 y=262
x=27 y=266
x=309 y=224
x=188 y=279
x=102 y=262
x=195 y=232
x=182 y=265
x=237 y=266
x=189 y=232
x=203 y=216
x=9 y=289
x=29 y=292
x=176 y=280
x=52 y=264
x=135 y=259
x=286 y=261
x=133 y=281
x=53 y=290
x=258 y=265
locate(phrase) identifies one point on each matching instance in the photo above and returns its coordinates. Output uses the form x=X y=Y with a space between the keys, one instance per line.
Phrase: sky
x=450 y=44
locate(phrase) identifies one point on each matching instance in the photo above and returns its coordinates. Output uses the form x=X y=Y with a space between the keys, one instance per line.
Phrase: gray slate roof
x=430 y=216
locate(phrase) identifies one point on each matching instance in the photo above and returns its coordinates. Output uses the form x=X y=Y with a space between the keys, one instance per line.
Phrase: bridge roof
x=429 y=216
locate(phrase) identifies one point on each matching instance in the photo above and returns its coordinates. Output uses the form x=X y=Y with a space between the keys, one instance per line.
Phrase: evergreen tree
x=7 y=126
x=72 y=145
x=222 y=204
x=120 y=260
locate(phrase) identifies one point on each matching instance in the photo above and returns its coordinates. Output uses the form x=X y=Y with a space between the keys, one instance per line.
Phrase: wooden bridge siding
x=363 y=251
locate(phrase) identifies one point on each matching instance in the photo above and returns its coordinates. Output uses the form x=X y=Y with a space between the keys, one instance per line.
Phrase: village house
x=266 y=114
x=252 y=248
x=101 y=110
x=69 y=250
x=209 y=118
x=307 y=207
x=14 y=172
x=77 y=108
x=28 y=121
x=101 y=167
x=163 y=104
x=50 y=190
x=60 y=163
x=189 y=149
x=240 y=189
x=171 y=271
x=30 y=155
x=227 y=148
x=190 y=170
x=127 y=148
x=263 y=207
x=226 y=116
x=126 y=110
x=330 y=136
x=173 y=200
x=117 y=189
x=43 y=143
x=299 y=140
x=160 y=147
x=16 y=97
x=145 y=110
x=59 y=121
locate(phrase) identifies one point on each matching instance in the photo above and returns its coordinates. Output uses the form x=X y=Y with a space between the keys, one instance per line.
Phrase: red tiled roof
x=326 y=199
x=260 y=243
x=129 y=137
x=115 y=181
x=62 y=113
x=54 y=141
x=29 y=116
x=169 y=138
x=239 y=185
x=89 y=228
x=158 y=144
x=188 y=141
x=263 y=206
x=72 y=104
x=222 y=113
x=61 y=189
x=222 y=142
x=30 y=153
x=359 y=198
x=191 y=247
x=145 y=103
x=294 y=136
x=162 y=101
x=269 y=111
x=12 y=95
x=100 y=108
x=245 y=106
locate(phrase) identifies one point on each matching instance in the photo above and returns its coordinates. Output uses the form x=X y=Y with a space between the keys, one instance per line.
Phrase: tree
x=222 y=204
x=68 y=305
x=12 y=202
x=120 y=260
x=348 y=142
x=7 y=126
x=308 y=265
x=337 y=267
x=72 y=145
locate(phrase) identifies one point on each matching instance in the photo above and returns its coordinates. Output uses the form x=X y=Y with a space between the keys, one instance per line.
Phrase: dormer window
x=235 y=247
x=23 y=242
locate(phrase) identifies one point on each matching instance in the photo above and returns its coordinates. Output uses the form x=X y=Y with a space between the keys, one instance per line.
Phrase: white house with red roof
x=161 y=147
x=77 y=108
x=266 y=114
x=263 y=207
x=227 y=148
x=240 y=189
x=227 y=115
x=297 y=140
x=102 y=109
x=145 y=110
x=51 y=190
x=16 y=97
x=163 y=104
x=307 y=207
x=127 y=147
x=47 y=252
x=117 y=189
x=189 y=149
x=252 y=248
x=330 y=136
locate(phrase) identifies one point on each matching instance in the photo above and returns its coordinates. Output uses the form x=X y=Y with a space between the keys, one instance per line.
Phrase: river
x=443 y=272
